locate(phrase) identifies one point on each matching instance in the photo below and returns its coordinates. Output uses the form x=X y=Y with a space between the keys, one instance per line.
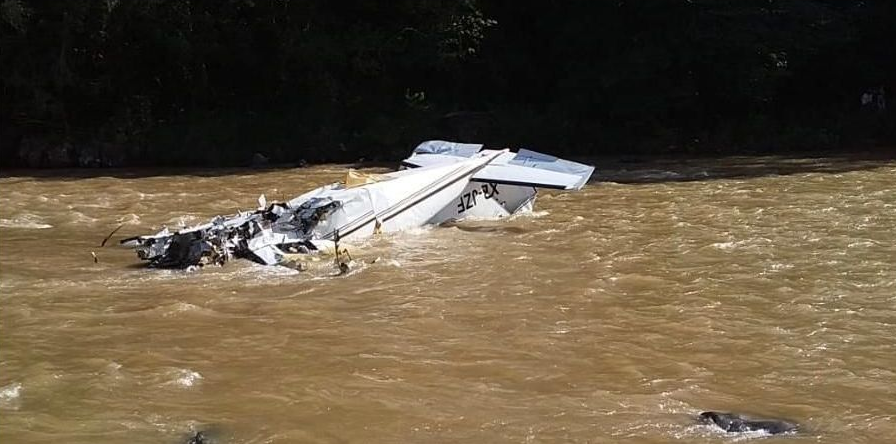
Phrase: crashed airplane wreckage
x=439 y=182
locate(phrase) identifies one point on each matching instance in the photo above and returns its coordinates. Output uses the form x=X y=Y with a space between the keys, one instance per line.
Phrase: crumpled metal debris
x=247 y=235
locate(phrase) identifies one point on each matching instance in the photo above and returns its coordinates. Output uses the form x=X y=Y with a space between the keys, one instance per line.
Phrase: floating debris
x=199 y=438
x=103 y=244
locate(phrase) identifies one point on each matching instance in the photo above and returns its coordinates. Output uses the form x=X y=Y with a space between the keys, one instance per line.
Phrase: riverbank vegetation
x=196 y=82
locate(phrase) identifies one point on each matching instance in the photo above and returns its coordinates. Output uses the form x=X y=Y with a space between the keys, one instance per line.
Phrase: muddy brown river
x=760 y=285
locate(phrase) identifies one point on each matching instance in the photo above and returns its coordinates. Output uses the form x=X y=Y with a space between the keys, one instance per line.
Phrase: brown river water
x=759 y=285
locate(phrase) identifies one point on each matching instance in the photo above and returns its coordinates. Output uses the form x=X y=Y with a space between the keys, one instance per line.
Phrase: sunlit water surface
x=614 y=314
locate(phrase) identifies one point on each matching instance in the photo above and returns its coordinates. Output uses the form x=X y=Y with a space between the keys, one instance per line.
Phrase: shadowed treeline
x=212 y=83
x=625 y=169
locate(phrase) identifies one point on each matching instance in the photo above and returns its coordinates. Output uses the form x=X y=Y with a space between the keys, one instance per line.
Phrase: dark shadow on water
x=646 y=170
x=619 y=169
x=485 y=227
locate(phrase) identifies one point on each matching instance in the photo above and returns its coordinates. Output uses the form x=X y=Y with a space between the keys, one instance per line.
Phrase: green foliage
x=212 y=82
x=15 y=14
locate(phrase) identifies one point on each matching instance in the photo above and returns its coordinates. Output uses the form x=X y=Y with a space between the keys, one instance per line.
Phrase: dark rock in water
x=199 y=438
x=732 y=423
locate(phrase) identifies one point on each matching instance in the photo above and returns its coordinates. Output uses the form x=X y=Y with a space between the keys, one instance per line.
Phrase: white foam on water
x=25 y=222
x=529 y=214
x=727 y=246
x=186 y=378
x=414 y=231
x=780 y=266
x=703 y=430
x=79 y=218
x=743 y=436
x=179 y=307
x=187 y=220
x=9 y=394
x=114 y=369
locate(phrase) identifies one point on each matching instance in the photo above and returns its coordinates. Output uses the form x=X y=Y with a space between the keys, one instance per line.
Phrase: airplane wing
x=537 y=170
x=526 y=167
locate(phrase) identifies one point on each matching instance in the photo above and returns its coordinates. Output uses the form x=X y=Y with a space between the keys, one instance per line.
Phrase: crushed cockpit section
x=264 y=235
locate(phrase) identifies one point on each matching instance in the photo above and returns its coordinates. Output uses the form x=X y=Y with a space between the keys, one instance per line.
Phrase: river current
x=760 y=285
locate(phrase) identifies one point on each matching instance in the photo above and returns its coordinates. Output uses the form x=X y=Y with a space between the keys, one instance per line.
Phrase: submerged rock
x=733 y=423
x=199 y=438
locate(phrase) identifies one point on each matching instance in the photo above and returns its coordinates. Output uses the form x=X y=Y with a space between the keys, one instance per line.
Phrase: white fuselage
x=445 y=182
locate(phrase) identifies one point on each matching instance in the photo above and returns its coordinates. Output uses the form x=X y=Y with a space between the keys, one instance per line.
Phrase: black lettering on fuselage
x=468 y=200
